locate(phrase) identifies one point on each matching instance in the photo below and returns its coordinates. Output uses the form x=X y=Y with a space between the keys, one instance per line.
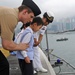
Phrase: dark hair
x=22 y=7
x=13 y=36
x=25 y=25
x=37 y=20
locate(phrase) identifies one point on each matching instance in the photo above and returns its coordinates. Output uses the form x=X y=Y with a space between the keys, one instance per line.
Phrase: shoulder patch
x=43 y=28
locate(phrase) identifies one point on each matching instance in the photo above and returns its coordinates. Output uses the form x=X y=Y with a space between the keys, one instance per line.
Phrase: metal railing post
x=47 y=46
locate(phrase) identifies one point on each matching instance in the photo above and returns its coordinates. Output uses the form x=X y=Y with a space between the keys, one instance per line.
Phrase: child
x=25 y=58
x=18 y=37
x=38 y=36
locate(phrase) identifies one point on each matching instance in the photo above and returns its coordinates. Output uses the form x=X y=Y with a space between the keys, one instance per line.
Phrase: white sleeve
x=35 y=35
x=17 y=38
x=42 y=30
x=26 y=39
x=24 y=53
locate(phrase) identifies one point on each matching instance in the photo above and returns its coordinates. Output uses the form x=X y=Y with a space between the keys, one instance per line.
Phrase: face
x=45 y=21
x=27 y=17
x=36 y=27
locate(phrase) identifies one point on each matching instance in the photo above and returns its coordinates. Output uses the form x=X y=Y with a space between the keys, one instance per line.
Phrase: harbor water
x=63 y=49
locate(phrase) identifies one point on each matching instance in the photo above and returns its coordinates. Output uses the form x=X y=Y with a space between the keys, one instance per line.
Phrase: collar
x=30 y=29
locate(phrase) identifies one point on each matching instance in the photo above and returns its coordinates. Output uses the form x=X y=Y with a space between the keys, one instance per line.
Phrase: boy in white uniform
x=47 y=18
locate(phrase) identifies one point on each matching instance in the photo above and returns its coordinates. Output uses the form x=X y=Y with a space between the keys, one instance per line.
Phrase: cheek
x=26 y=17
x=38 y=29
x=44 y=20
x=29 y=19
x=25 y=20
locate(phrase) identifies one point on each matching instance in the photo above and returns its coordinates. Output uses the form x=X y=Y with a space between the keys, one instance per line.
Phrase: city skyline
x=60 y=8
x=62 y=25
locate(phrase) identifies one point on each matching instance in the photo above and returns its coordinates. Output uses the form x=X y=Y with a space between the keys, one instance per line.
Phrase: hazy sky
x=60 y=8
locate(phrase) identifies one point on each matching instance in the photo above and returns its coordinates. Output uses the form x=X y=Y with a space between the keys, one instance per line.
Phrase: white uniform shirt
x=41 y=31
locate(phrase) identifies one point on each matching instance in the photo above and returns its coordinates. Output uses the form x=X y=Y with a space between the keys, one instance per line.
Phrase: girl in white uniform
x=47 y=18
x=37 y=62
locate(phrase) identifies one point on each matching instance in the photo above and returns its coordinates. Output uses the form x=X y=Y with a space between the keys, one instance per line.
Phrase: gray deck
x=14 y=67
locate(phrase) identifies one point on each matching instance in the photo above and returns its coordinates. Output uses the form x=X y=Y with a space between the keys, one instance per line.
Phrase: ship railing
x=54 y=60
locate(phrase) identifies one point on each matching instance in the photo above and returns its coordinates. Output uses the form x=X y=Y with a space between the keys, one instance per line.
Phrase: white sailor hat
x=49 y=17
x=36 y=10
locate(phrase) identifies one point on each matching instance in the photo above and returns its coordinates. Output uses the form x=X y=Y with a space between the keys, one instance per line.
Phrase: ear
x=24 y=11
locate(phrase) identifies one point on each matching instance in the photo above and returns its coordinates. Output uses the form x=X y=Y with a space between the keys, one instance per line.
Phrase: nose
x=31 y=19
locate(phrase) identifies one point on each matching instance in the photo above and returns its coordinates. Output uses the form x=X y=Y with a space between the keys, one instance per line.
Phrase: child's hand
x=27 y=60
x=36 y=44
